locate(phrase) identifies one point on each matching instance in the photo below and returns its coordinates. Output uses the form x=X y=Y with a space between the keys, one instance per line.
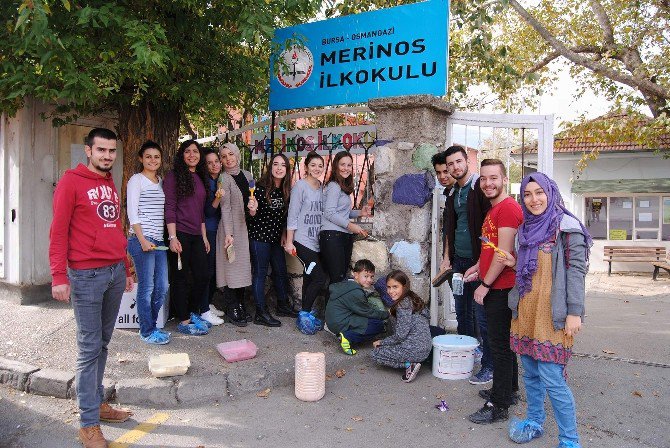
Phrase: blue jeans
x=375 y=326
x=263 y=255
x=96 y=297
x=541 y=378
x=152 y=282
x=467 y=310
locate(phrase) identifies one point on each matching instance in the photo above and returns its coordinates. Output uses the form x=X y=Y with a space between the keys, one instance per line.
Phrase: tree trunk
x=146 y=121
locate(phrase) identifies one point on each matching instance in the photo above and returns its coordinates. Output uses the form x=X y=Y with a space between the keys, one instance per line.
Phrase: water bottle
x=457 y=284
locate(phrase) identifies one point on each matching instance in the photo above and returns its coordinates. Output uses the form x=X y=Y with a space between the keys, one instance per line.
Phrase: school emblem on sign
x=298 y=64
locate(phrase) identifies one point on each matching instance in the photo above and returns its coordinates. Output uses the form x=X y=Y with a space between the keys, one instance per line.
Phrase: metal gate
x=474 y=123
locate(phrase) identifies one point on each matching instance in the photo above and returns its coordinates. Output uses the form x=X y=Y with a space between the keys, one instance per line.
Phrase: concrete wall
x=35 y=154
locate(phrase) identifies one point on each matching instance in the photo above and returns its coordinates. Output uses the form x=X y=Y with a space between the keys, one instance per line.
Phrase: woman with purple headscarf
x=551 y=265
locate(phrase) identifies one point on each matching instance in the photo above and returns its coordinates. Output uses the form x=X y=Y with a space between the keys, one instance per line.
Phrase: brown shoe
x=91 y=437
x=109 y=414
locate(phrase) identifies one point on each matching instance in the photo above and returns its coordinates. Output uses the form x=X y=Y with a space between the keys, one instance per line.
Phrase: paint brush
x=252 y=187
x=487 y=242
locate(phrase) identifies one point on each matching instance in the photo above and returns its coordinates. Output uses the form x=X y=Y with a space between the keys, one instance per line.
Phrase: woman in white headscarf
x=236 y=275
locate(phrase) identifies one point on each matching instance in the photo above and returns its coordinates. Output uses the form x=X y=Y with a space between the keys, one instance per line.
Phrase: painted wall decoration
x=351 y=138
x=388 y=52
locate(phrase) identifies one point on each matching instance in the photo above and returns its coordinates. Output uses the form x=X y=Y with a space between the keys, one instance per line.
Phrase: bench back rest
x=631 y=253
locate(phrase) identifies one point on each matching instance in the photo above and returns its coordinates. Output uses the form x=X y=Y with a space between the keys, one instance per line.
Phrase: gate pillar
x=405 y=123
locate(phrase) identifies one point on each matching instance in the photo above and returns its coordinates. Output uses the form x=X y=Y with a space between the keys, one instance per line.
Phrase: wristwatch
x=172 y=237
x=481 y=280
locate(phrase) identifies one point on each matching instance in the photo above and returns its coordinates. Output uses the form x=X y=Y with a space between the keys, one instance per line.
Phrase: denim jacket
x=569 y=267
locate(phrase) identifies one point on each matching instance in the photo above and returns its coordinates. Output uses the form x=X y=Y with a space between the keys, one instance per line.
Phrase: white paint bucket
x=453 y=356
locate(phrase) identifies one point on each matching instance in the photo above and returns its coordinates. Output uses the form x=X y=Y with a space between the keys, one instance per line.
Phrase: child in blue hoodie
x=349 y=314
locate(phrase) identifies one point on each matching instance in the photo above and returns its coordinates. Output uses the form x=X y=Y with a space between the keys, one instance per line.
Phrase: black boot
x=235 y=316
x=489 y=414
x=245 y=313
x=286 y=310
x=263 y=317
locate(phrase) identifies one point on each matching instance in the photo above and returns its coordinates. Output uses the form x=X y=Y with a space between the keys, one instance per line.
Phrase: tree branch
x=641 y=84
x=555 y=54
x=603 y=21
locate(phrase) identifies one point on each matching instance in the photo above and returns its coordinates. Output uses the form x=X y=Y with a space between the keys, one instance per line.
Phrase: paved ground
x=621 y=403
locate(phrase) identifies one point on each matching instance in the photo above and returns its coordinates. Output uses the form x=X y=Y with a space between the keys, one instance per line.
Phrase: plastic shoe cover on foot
x=200 y=322
x=523 y=431
x=305 y=323
x=568 y=444
x=156 y=338
x=318 y=323
x=191 y=329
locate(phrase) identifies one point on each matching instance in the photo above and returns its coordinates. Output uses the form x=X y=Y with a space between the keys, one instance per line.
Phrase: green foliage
x=90 y=56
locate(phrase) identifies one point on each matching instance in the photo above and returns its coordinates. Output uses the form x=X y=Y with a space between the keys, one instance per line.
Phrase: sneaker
x=346 y=347
x=215 y=311
x=200 y=322
x=91 y=437
x=411 y=372
x=211 y=318
x=523 y=431
x=486 y=395
x=489 y=414
x=191 y=329
x=328 y=330
x=156 y=338
x=484 y=376
x=478 y=355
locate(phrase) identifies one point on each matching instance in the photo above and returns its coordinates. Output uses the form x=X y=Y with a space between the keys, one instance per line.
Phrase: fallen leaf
x=357 y=418
x=340 y=373
x=656 y=394
x=637 y=393
x=441 y=396
x=349 y=429
x=362 y=370
x=609 y=352
x=264 y=393
x=329 y=377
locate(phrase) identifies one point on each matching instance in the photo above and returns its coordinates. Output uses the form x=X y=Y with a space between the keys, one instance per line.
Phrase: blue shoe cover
x=200 y=322
x=156 y=338
x=191 y=329
x=569 y=444
x=305 y=323
x=523 y=431
x=318 y=323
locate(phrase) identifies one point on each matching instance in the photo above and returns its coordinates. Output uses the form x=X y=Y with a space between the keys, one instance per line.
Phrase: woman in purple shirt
x=185 y=195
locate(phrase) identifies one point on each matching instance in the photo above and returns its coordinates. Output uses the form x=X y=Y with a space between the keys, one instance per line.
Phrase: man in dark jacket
x=464 y=215
x=349 y=314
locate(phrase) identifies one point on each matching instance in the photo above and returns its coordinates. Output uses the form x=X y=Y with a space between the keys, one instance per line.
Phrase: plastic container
x=169 y=364
x=237 y=350
x=310 y=376
x=453 y=356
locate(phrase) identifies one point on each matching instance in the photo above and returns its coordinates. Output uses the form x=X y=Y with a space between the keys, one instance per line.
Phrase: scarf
x=538 y=229
x=233 y=147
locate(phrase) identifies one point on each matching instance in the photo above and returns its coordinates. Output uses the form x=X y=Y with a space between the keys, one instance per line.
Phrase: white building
x=33 y=156
x=623 y=196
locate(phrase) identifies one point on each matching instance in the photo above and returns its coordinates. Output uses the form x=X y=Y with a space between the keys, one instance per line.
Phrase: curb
x=169 y=392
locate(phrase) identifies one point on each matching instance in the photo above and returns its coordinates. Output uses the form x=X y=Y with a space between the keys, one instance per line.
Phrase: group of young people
x=226 y=230
x=524 y=267
x=525 y=277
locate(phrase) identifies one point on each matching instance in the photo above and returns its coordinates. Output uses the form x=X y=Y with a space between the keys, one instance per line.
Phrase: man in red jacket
x=87 y=254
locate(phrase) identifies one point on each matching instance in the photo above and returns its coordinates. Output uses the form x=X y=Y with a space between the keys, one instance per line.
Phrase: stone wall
x=407 y=124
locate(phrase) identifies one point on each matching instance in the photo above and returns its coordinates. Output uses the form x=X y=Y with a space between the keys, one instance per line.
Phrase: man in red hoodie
x=87 y=254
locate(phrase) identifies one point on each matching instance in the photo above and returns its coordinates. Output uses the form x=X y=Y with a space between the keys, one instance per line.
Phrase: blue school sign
x=389 y=52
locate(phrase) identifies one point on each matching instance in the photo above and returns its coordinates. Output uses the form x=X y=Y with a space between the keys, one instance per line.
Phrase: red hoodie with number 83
x=86 y=231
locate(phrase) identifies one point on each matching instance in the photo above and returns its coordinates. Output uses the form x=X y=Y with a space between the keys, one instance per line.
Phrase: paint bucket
x=310 y=376
x=453 y=356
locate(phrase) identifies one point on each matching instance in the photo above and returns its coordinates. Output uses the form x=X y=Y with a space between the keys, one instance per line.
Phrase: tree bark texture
x=137 y=124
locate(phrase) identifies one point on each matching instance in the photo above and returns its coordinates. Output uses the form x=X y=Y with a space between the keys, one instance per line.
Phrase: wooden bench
x=632 y=254
x=661 y=265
